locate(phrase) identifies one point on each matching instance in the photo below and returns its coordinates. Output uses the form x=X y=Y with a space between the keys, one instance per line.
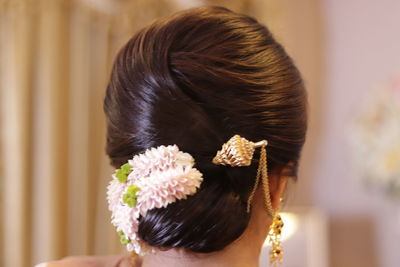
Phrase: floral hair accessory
x=153 y=179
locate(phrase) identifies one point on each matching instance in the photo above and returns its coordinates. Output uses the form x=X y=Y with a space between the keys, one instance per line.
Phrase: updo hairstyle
x=195 y=79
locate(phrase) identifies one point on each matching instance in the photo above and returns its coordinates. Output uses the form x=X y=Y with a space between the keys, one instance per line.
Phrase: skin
x=244 y=252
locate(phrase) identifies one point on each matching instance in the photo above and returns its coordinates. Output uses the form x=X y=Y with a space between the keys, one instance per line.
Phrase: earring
x=274 y=238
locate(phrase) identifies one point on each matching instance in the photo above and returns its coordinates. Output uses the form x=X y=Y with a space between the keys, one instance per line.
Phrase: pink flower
x=164 y=175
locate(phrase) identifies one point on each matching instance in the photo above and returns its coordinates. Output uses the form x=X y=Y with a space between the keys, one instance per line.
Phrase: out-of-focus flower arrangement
x=375 y=139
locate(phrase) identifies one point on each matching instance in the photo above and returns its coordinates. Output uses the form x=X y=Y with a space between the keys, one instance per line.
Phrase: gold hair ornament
x=238 y=151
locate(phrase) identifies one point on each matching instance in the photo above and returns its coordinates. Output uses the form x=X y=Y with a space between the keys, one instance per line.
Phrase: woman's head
x=195 y=79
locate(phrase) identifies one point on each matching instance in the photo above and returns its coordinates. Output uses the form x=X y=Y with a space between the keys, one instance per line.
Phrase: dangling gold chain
x=253 y=191
x=238 y=151
x=265 y=183
x=275 y=230
x=263 y=172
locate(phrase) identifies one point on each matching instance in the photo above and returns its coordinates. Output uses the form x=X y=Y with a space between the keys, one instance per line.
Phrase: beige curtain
x=55 y=59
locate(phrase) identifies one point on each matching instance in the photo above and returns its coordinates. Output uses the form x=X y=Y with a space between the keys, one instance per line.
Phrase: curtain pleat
x=79 y=99
x=102 y=231
x=50 y=133
x=16 y=90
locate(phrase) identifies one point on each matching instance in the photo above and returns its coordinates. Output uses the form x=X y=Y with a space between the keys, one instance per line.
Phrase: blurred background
x=55 y=59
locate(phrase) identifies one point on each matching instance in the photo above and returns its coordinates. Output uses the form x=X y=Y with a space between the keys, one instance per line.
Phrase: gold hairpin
x=238 y=151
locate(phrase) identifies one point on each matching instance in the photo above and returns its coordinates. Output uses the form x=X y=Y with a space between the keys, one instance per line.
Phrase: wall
x=362 y=44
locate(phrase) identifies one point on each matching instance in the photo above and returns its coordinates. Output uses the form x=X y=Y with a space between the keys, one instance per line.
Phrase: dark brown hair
x=195 y=79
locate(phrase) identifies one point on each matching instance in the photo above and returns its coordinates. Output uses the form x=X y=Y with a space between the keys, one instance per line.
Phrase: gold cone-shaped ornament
x=238 y=151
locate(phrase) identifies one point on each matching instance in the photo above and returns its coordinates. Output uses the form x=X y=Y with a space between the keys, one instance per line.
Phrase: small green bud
x=123 y=172
x=130 y=197
x=122 y=238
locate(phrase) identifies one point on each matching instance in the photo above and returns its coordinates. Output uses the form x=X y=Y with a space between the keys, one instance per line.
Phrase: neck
x=244 y=252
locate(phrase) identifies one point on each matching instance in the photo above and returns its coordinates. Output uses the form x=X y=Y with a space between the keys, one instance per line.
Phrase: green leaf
x=126 y=168
x=121 y=176
x=130 y=197
x=123 y=172
x=122 y=238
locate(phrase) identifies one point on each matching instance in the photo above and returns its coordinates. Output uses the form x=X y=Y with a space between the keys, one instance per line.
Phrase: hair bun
x=195 y=79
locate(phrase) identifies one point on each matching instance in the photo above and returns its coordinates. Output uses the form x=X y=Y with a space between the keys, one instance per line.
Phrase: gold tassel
x=238 y=151
x=274 y=238
x=275 y=230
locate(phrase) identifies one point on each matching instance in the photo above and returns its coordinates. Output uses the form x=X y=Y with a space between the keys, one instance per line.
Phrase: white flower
x=163 y=174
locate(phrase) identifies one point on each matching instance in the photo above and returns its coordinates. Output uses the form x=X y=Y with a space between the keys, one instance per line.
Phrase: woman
x=195 y=80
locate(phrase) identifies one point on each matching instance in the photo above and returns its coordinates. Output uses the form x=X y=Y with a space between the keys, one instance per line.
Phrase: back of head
x=195 y=79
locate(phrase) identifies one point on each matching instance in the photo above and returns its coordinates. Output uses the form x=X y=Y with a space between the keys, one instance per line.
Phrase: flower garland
x=153 y=179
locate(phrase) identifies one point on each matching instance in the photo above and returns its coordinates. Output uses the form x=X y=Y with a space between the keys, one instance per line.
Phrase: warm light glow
x=291 y=224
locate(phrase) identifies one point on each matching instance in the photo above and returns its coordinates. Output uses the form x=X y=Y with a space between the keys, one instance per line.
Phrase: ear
x=277 y=185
